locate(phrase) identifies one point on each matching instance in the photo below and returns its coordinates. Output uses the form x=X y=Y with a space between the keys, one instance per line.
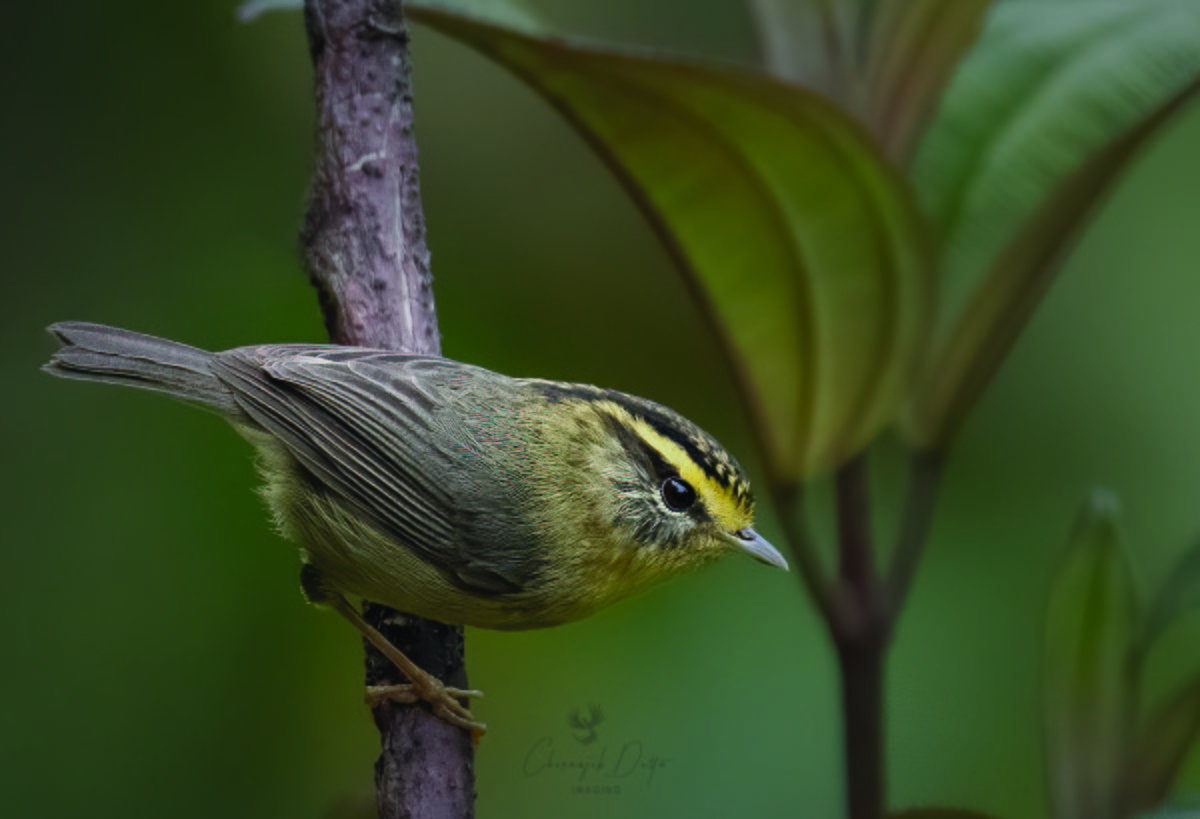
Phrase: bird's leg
x=421 y=686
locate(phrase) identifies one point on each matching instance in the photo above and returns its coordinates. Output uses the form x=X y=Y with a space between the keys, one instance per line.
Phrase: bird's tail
x=94 y=352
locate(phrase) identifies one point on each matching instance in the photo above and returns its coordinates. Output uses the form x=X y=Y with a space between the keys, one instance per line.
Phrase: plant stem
x=861 y=634
x=861 y=667
x=924 y=481
x=789 y=503
x=865 y=614
x=856 y=559
x=363 y=243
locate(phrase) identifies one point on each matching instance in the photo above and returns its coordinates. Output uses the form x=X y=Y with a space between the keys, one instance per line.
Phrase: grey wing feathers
x=362 y=424
x=95 y=352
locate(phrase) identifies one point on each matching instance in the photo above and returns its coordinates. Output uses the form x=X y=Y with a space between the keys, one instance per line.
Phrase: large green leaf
x=913 y=49
x=884 y=61
x=1089 y=631
x=804 y=249
x=1048 y=108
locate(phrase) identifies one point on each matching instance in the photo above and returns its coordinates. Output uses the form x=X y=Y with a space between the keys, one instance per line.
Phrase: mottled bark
x=363 y=243
x=364 y=234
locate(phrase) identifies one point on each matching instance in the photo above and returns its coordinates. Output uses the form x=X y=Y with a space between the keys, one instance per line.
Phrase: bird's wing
x=365 y=424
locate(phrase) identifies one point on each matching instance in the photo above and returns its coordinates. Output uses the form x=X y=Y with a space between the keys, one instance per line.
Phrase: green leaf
x=810 y=42
x=1173 y=729
x=253 y=9
x=884 y=61
x=506 y=12
x=1051 y=104
x=805 y=251
x=1178 y=597
x=1089 y=630
x=1161 y=749
x=510 y=13
x=914 y=48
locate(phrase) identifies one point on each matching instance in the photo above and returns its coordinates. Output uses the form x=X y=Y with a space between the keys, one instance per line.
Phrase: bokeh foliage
x=156 y=163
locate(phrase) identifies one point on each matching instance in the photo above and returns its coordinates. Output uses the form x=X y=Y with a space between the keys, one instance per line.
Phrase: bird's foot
x=444 y=700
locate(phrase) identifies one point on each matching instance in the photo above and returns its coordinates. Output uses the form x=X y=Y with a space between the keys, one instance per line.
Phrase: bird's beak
x=758 y=548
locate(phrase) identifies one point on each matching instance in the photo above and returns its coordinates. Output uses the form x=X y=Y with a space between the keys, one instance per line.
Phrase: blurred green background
x=158 y=660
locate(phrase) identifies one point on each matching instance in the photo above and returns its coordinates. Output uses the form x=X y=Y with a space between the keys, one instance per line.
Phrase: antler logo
x=583 y=728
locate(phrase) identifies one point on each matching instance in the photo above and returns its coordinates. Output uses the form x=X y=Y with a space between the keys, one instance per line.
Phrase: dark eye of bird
x=678 y=494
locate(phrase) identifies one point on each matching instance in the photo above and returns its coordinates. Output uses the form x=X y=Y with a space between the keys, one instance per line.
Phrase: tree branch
x=861 y=638
x=363 y=243
x=364 y=234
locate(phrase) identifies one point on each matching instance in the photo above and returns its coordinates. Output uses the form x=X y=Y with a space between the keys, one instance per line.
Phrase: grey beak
x=758 y=548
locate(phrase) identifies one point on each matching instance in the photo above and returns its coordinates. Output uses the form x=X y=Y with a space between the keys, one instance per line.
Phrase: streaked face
x=632 y=494
x=686 y=491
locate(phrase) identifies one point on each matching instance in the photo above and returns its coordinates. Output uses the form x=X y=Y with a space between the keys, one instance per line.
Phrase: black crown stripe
x=713 y=462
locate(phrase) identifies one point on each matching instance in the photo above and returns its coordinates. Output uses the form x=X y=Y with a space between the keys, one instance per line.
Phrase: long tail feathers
x=94 y=352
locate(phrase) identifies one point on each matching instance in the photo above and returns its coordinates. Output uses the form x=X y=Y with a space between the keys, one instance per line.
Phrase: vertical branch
x=861 y=666
x=363 y=243
x=364 y=234
x=861 y=636
x=868 y=607
x=856 y=561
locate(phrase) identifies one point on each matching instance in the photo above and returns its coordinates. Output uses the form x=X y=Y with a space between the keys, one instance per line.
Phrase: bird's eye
x=678 y=494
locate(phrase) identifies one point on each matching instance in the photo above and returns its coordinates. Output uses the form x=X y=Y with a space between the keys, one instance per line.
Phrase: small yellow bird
x=447 y=490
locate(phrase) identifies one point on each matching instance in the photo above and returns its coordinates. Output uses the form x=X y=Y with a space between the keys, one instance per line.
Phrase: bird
x=447 y=490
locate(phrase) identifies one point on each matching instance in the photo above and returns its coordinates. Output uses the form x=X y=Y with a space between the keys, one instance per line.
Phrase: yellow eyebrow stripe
x=717 y=498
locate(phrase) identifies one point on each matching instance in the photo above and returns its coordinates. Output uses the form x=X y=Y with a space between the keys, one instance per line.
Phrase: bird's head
x=663 y=495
